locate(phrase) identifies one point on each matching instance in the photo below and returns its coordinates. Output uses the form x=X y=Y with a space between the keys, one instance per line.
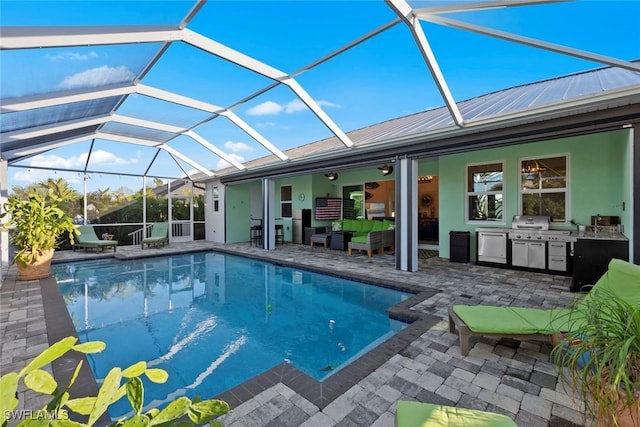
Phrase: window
x=485 y=192
x=216 y=199
x=286 y=205
x=543 y=187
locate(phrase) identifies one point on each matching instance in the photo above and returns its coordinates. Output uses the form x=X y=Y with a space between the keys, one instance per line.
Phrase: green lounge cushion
x=419 y=414
x=622 y=279
x=366 y=226
x=356 y=225
x=359 y=238
x=514 y=320
x=347 y=224
x=87 y=237
x=378 y=226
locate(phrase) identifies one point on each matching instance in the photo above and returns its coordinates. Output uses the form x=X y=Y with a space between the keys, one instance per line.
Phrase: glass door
x=182 y=214
x=352 y=196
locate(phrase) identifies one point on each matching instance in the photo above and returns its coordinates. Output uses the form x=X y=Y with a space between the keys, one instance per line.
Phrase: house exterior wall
x=599 y=174
x=600 y=178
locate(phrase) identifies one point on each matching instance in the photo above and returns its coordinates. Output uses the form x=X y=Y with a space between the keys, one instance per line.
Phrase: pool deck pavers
x=504 y=376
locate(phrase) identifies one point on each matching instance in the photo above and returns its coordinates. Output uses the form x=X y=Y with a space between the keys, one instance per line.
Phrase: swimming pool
x=214 y=320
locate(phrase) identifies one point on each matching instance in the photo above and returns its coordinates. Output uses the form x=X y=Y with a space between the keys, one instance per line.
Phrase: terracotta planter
x=37 y=270
x=628 y=417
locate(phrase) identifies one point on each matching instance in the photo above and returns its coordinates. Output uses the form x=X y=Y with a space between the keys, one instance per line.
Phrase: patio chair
x=419 y=414
x=86 y=238
x=323 y=238
x=372 y=241
x=621 y=279
x=159 y=235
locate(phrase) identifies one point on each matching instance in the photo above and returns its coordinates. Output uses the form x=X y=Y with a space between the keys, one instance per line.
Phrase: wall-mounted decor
x=328 y=208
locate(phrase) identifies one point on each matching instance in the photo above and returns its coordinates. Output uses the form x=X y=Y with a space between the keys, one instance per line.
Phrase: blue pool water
x=213 y=321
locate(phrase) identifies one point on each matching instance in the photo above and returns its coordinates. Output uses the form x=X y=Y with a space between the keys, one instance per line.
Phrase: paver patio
x=508 y=377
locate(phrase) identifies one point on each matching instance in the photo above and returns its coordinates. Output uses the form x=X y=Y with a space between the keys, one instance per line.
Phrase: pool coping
x=319 y=393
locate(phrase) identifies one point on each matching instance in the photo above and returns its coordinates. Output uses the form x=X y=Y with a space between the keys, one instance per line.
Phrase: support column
x=634 y=250
x=268 y=214
x=406 y=214
x=4 y=194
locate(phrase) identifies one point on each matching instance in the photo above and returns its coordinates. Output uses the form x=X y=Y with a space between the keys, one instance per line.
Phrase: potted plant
x=35 y=225
x=601 y=357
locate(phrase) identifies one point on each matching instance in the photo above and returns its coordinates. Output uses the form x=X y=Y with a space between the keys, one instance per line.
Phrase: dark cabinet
x=459 y=242
x=591 y=259
x=429 y=230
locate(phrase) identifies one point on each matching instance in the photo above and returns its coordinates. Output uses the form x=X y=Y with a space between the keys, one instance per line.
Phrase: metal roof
x=39 y=119
x=578 y=93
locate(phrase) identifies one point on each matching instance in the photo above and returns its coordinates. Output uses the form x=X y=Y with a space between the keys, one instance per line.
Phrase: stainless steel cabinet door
x=537 y=255
x=492 y=247
x=519 y=253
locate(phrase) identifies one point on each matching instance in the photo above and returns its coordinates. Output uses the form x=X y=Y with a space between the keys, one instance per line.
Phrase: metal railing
x=137 y=235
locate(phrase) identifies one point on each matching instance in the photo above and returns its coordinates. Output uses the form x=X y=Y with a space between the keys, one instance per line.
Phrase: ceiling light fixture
x=386 y=170
x=425 y=179
x=532 y=167
x=331 y=175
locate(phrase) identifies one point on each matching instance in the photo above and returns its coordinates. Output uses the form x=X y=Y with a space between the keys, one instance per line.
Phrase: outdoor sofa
x=368 y=234
x=622 y=279
x=86 y=238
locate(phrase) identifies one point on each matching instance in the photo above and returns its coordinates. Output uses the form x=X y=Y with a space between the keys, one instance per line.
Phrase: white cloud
x=266 y=124
x=264 y=109
x=273 y=108
x=51 y=161
x=72 y=56
x=237 y=146
x=324 y=103
x=295 y=106
x=106 y=157
x=74 y=162
x=30 y=176
x=99 y=76
x=224 y=164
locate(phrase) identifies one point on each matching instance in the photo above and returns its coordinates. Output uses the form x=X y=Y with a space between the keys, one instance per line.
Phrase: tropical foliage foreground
x=117 y=384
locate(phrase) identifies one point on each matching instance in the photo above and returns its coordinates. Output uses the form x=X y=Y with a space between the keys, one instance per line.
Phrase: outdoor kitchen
x=530 y=244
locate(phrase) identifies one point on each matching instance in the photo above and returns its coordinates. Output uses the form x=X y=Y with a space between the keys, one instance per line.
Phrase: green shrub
x=117 y=384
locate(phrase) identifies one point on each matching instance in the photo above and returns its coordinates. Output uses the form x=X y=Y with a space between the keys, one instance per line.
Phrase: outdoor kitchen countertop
x=600 y=235
x=494 y=229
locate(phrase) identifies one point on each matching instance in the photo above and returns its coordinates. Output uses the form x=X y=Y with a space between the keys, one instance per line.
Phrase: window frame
x=468 y=194
x=286 y=202
x=567 y=187
x=215 y=196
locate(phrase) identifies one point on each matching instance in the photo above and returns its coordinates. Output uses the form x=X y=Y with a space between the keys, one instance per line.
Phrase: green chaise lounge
x=86 y=239
x=621 y=279
x=159 y=235
x=419 y=414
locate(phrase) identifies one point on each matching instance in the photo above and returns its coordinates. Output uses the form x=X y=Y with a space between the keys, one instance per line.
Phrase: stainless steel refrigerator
x=301 y=219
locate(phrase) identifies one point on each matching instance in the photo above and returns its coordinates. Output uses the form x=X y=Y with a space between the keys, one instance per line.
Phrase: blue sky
x=383 y=78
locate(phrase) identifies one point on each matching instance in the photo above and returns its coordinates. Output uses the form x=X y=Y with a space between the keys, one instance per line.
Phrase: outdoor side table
x=340 y=240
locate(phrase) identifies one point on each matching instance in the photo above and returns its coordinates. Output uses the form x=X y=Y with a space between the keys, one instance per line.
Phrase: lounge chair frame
x=465 y=333
x=87 y=239
x=158 y=238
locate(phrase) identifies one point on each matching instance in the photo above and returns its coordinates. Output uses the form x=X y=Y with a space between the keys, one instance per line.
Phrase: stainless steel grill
x=536 y=228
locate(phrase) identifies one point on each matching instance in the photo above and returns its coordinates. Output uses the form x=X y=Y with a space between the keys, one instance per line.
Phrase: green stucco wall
x=599 y=174
x=238 y=212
